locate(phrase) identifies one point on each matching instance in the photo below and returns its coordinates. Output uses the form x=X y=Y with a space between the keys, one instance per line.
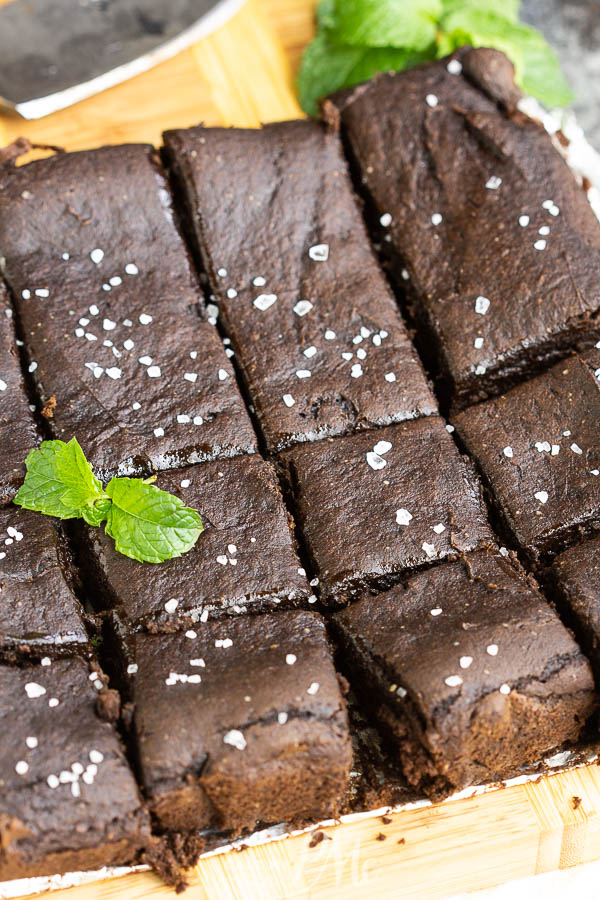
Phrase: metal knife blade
x=54 y=53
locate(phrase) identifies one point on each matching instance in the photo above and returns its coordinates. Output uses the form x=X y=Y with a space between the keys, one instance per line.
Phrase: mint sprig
x=147 y=524
x=358 y=38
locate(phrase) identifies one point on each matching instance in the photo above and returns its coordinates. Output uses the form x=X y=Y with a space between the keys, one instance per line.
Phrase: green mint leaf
x=43 y=489
x=97 y=512
x=76 y=474
x=387 y=23
x=326 y=14
x=542 y=76
x=537 y=70
x=148 y=524
x=507 y=9
x=328 y=66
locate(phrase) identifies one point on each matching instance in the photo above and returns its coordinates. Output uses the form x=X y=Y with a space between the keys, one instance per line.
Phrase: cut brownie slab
x=68 y=800
x=110 y=314
x=245 y=559
x=469 y=671
x=374 y=505
x=577 y=575
x=17 y=430
x=498 y=242
x=38 y=611
x=538 y=446
x=315 y=328
x=239 y=722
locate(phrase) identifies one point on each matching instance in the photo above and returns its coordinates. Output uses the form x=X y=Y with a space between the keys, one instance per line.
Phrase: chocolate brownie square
x=538 y=447
x=238 y=722
x=17 y=430
x=110 y=313
x=313 y=323
x=486 y=225
x=38 y=610
x=244 y=560
x=468 y=670
x=372 y=506
x=68 y=800
x=576 y=573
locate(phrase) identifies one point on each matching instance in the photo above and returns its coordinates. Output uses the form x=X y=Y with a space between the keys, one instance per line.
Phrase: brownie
x=238 y=722
x=576 y=573
x=245 y=559
x=68 y=800
x=38 y=610
x=373 y=505
x=485 y=224
x=314 y=326
x=110 y=313
x=468 y=670
x=17 y=430
x=538 y=447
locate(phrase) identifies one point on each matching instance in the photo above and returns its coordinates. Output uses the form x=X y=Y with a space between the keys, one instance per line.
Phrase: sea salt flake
x=34 y=690
x=465 y=661
x=303 y=307
x=313 y=688
x=454 y=67
x=291 y=659
x=431 y=100
x=382 y=447
x=492 y=649
x=542 y=496
x=429 y=549
x=576 y=449
x=264 y=301
x=145 y=319
x=403 y=517
x=482 y=304
x=508 y=452
x=524 y=221
x=235 y=739
x=439 y=528
x=436 y=219
x=390 y=377
x=453 y=681
x=385 y=220
x=319 y=252
x=375 y=461
x=288 y=400
x=170 y=606
x=493 y=183
x=154 y=372
x=97 y=256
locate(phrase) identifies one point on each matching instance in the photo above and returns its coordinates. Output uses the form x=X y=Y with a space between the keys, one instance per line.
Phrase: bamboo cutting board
x=242 y=75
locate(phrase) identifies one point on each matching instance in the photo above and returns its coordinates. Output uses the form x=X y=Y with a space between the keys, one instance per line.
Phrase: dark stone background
x=573 y=29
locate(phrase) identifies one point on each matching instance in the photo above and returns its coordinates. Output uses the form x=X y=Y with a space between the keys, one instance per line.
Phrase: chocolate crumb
x=386 y=820
x=576 y=802
x=402 y=841
x=381 y=836
x=48 y=410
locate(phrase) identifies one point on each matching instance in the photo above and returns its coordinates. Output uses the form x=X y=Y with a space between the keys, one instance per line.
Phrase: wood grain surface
x=242 y=75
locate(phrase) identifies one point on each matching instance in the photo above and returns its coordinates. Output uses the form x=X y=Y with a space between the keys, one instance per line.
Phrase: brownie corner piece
x=316 y=330
x=538 y=449
x=239 y=722
x=18 y=433
x=39 y=613
x=111 y=313
x=374 y=505
x=469 y=672
x=68 y=800
x=245 y=560
x=497 y=241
